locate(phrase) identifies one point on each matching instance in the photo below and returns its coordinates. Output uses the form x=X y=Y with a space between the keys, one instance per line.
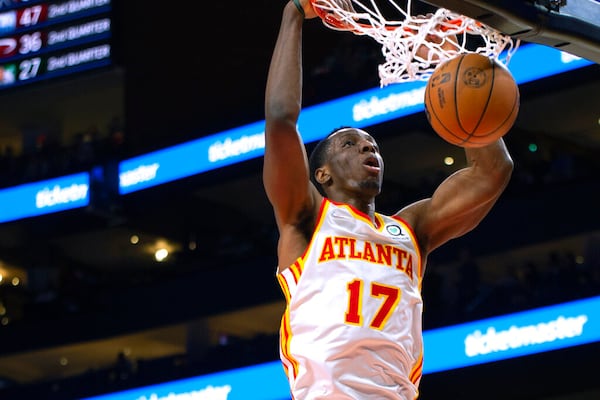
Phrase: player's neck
x=364 y=205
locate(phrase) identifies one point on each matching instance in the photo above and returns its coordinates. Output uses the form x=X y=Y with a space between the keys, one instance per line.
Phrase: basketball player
x=352 y=276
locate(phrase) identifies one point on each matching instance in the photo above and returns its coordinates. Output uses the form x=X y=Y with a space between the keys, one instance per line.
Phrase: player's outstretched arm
x=286 y=180
x=461 y=201
x=285 y=173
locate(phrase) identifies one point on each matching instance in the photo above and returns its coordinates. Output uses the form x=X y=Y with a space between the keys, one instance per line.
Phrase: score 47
x=13 y=20
x=31 y=16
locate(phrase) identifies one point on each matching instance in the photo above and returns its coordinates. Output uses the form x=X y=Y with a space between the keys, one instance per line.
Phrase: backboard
x=572 y=26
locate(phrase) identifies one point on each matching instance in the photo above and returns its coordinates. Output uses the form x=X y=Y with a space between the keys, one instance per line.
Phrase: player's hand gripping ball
x=471 y=100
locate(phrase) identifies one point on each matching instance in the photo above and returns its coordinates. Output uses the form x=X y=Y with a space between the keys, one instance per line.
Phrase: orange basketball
x=471 y=100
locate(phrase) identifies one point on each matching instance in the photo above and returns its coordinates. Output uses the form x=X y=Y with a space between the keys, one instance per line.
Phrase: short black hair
x=318 y=157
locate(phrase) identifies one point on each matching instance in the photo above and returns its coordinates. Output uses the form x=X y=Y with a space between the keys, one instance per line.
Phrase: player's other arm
x=463 y=199
x=285 y=171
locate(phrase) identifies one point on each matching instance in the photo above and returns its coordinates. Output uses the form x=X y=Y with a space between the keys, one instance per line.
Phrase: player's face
x=355 y=161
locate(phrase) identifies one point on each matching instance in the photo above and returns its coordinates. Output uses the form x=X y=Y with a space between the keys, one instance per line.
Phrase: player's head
x=347 y=159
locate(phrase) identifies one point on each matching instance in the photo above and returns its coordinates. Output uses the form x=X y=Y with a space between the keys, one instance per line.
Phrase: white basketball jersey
x=352 y=327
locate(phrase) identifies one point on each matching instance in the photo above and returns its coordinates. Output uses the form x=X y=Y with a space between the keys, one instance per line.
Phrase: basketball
x=471 y=100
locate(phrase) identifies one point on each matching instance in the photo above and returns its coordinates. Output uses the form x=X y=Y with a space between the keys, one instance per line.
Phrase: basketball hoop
x=413 y=45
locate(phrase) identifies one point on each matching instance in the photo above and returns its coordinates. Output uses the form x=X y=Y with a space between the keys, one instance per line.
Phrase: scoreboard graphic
x=40 y=40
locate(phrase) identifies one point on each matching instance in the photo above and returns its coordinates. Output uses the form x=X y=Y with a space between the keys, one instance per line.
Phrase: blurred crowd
x=50 y=155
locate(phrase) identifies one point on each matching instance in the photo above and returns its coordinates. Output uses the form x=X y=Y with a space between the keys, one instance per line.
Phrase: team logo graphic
x=8 y=47
x=7 y=74
x=396 y=231
x=8 y=22
x=474 y=77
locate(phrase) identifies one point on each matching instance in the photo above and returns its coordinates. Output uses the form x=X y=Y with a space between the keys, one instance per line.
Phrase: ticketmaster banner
x=260 y=382
x=363 y=109
x=514 y=335
x=44 y=197
x=508 y=336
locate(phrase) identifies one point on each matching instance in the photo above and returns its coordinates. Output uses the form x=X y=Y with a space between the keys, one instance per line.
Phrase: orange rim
x=330 y=19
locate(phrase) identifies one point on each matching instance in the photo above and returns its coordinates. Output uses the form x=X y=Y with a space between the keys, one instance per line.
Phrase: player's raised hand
x=306 y=8
x=438 y=40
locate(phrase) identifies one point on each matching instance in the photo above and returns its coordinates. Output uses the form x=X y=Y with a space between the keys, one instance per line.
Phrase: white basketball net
x=414 y=45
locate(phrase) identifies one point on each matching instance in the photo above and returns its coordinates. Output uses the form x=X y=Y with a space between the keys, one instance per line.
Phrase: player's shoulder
x=411 y=213
x=414 y=215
